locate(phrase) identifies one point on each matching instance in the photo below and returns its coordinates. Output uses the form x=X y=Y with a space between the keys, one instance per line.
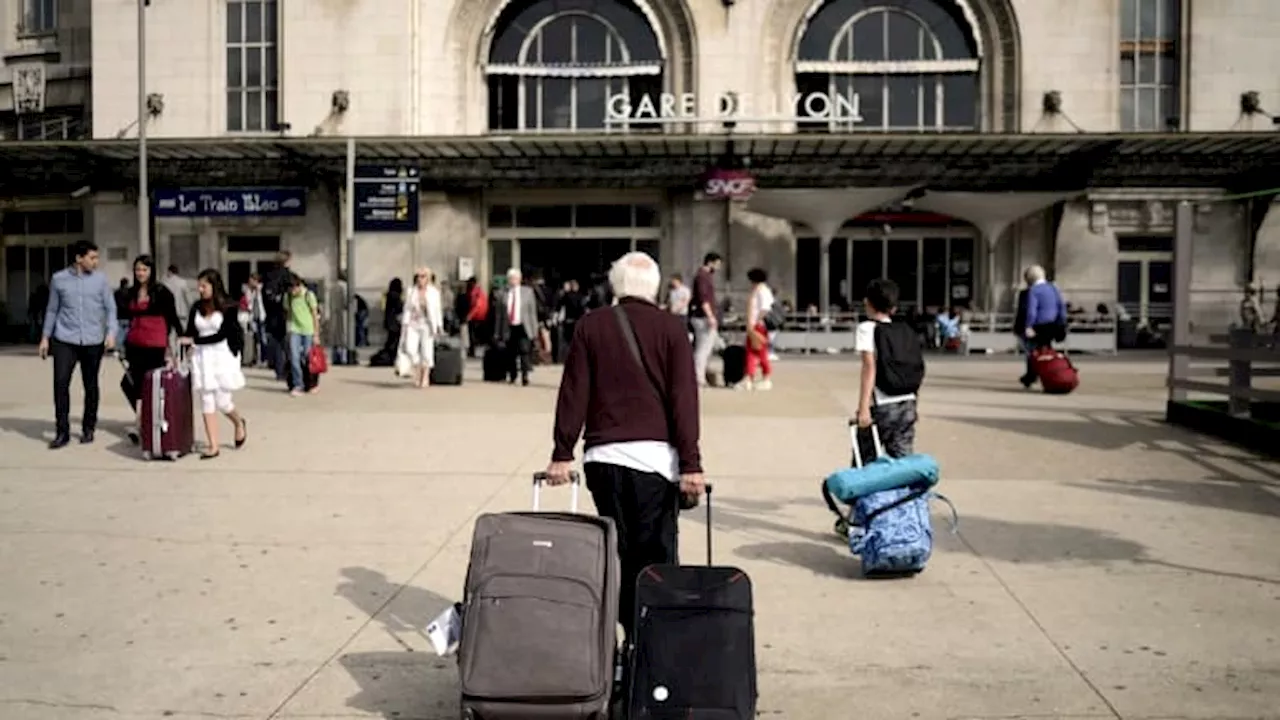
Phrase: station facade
x=508 y=68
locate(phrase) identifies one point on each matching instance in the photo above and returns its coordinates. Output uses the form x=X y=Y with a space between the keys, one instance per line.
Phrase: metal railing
x=987 y=332
x=1249 y=355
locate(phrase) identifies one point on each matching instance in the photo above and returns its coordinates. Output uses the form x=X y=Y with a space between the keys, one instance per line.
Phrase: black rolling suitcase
x=694 y=652
x=449 y=364
x=735 y=364
x=496 y=364
x=540 y=615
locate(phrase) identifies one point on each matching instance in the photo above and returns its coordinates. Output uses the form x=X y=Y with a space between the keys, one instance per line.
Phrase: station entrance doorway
x=568 y=242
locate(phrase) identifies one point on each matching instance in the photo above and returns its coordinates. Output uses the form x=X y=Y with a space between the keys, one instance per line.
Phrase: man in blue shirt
x=1044 y=320
x=79 y=326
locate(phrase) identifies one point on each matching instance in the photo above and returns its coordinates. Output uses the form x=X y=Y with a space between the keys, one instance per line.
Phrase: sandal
x=242 y=434
x=210 y=455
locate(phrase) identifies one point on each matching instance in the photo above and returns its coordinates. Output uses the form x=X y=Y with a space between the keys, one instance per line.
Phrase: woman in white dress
x=423 y=321
x=213 y=328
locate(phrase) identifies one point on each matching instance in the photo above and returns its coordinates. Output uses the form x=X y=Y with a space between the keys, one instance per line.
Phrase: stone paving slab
x=1106 y=566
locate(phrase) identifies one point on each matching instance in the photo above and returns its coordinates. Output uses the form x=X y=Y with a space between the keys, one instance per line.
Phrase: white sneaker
x=744 y=385
x=764 y=385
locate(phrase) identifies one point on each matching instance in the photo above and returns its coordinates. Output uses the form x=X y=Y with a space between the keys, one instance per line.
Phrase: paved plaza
x=1106 y=565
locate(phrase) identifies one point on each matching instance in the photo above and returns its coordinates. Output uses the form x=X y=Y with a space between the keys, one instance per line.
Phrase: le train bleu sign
x=229 y=202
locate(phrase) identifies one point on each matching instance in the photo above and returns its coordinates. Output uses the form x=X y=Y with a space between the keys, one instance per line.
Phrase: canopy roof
x=986 y=162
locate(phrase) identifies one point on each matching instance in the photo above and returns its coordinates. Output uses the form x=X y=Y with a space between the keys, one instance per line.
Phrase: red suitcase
x=167 y=428
x=1054 y=369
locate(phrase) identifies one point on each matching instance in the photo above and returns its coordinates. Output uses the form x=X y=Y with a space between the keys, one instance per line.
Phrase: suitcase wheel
x=842 y=528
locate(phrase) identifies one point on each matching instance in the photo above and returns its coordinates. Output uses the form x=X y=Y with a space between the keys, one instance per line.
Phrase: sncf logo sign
x=720 y=184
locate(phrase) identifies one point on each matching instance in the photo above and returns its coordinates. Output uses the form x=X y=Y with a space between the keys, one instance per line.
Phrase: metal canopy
x=991 y=162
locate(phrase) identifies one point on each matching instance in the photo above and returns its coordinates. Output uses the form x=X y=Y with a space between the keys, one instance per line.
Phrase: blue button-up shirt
x=82 y=308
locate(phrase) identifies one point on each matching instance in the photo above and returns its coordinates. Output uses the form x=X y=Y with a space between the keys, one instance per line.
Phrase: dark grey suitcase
x=540 y=615
x=449 y=364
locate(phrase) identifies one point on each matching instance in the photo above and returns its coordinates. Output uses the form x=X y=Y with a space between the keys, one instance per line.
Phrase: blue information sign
x=230 y=202
x=386 y=199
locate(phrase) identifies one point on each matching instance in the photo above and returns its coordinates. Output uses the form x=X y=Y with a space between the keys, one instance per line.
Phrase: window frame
x=39 y=18
x=268 y=68
x=929 y=75
x=532 y=74
x=1165 y=53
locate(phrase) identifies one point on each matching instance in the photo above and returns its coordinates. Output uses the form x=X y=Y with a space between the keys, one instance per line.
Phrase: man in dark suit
x=516 y=324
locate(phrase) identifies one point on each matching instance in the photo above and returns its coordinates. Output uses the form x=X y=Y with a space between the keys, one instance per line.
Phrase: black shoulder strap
x=633 y=344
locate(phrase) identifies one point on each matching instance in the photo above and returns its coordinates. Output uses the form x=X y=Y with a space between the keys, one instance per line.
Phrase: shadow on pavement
x=1234 y=494
x=38 y=430
x=1042 y=543
x=831 y=559
x=398 y=684
x=1089 y=433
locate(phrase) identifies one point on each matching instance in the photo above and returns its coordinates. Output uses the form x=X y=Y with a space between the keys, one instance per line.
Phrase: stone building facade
x=230 y=68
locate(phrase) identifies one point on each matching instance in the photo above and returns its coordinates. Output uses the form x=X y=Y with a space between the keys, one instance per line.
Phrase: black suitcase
x=694 y=653
x=735 y=364
x=449 y=364
x=496 y=364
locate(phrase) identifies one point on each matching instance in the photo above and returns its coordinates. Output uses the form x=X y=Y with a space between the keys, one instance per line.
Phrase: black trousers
x=521 y=348
x=644 y=507
x=141 y=361
x=65 y=359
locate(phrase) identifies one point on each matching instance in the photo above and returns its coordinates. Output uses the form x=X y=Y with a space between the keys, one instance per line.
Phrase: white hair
x=1033 y=274
x=635 y=275
x=514 y=273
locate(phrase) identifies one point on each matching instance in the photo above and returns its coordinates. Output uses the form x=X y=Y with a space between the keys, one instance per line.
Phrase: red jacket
x=479 y=305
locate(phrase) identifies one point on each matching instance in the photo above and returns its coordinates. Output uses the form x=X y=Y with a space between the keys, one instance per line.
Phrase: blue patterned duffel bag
x=891 y=531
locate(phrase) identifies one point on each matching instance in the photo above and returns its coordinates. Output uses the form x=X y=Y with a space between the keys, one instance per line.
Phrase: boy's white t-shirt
x=763 y=302
x=864 y=341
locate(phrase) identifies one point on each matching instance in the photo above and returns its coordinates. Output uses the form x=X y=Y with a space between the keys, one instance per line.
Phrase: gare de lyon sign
x=730 y=183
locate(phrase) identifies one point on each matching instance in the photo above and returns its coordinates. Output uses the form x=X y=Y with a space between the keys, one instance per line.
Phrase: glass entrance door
x=28 y=268
x=1144 y=288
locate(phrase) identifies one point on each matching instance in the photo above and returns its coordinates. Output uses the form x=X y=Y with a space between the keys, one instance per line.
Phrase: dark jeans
x=65 y=359
x=475 y=337
x=141 y=360
x=643 y=507
x=520 y=347
x=896 y=423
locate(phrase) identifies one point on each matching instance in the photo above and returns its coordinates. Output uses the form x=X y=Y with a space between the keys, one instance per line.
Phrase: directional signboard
x=386 y=199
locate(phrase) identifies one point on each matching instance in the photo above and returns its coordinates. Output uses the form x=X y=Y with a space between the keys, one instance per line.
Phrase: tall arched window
x=554 y=64
x=912 y=65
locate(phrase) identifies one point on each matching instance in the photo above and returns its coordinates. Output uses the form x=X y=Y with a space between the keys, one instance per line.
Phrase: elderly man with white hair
x=1045 y=321
x=516 y=324
x=629 y=379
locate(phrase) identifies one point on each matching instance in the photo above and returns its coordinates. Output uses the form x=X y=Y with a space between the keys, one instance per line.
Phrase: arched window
x=912 y=66
x=554 y=64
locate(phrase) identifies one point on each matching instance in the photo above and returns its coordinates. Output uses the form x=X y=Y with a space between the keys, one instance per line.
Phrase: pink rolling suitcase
x=167 y=428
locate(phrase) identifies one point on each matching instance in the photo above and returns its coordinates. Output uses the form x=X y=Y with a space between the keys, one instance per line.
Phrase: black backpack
x=899 y=359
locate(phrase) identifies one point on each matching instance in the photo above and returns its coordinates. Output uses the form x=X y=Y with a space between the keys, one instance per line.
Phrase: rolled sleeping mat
x=885 y=473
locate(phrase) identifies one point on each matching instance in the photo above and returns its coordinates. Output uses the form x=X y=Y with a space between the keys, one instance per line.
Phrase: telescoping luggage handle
x=857 y=446
x=575 y=485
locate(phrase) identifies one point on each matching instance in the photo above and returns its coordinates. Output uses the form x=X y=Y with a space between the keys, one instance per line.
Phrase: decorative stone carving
x=29 y=88
x=1125 y=217
x=1098 y=218
x=1157 y=215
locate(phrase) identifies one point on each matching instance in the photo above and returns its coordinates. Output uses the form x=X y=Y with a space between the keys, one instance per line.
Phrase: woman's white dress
x=213 y=366
x=423 y=320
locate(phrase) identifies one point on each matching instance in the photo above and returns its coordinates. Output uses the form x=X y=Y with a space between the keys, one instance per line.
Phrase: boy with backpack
x=892 y=370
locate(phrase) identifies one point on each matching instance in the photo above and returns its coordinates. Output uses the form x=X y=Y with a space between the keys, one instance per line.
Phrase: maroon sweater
x=606 y=390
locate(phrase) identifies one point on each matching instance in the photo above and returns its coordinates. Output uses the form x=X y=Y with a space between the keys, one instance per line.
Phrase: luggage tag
x=445 y=631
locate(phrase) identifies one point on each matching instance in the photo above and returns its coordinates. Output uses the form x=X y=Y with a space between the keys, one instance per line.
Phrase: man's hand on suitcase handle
x=557 y=473
x=692 y=484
